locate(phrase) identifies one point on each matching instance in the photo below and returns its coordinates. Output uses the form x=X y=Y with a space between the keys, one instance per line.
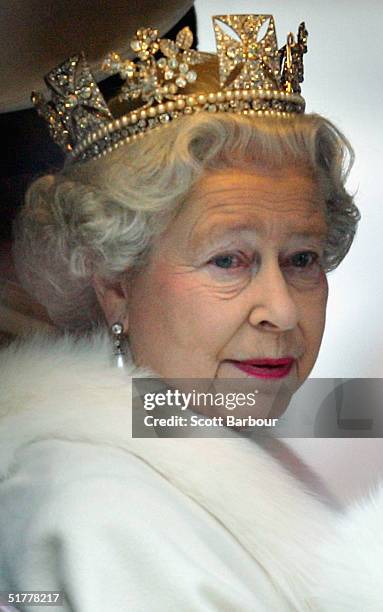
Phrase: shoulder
x=53 y=386
x=33 y=365
x=108 y=526
x=68 y=483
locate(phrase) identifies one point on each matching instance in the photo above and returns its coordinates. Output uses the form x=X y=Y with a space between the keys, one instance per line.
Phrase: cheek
x=182 y=310
x=314 y=309
x=191 y=310
x=170 y=303
x=313 y=317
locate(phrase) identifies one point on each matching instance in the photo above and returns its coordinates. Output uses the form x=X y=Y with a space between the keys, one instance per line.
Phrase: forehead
x=282 y=201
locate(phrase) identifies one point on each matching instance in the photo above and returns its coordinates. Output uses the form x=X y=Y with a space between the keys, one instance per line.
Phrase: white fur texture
x=353 y=580
x=319 y=560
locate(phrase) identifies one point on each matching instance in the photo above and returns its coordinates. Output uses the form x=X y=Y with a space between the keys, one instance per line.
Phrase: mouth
x=265 y=368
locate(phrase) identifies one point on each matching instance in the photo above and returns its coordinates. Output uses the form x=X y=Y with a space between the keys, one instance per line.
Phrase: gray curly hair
x=100 y=217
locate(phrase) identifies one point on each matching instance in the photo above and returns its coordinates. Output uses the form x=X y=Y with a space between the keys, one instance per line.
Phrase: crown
x=248 y=75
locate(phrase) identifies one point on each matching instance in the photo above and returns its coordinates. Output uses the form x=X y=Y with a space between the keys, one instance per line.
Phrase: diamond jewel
x=86 y=92
x=231 y=52
x=71 y=101
x=181 y=82
x=184 y=68
x=191 y=76
x=136 y=45
x=62 y=79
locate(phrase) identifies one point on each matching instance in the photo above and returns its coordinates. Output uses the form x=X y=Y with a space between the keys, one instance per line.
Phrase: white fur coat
x=120 y=523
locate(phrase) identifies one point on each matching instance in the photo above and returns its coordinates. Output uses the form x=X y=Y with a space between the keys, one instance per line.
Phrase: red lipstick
x=265 y=368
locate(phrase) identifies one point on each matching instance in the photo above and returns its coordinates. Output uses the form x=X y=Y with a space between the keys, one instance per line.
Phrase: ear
x=113 y=299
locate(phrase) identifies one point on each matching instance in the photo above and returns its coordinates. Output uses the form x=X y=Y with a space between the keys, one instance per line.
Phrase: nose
x=274 y=306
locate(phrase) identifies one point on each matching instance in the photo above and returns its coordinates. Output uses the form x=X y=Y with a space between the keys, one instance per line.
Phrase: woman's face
x=237 y=277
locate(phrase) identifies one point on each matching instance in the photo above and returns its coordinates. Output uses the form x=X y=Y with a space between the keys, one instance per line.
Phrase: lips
x=265 y=368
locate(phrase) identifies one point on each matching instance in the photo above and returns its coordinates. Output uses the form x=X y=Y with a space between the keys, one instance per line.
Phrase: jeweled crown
x=249 y=75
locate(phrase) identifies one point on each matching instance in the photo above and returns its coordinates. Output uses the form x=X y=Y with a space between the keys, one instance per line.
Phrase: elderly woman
x=202 y=240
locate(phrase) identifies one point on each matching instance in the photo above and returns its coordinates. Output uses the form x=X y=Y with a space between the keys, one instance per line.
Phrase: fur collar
x=66 y=389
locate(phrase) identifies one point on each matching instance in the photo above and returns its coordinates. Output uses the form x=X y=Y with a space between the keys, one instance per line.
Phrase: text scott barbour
x=202 y=421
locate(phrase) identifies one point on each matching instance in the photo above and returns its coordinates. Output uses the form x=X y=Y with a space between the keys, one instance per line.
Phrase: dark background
x=28 y=152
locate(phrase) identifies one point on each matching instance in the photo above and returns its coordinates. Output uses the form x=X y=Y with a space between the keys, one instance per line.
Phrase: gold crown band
x=254 y=77
x=137 y=123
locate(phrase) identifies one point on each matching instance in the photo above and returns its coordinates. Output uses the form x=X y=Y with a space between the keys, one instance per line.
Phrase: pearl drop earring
x=119 y=355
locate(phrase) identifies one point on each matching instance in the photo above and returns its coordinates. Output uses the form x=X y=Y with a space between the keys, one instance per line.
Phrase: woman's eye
x=305 y=266
x=305 y=259
x=229 y=261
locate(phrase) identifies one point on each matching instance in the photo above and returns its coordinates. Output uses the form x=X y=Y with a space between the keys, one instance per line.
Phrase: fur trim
x=355 y=581
x=65 y=389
